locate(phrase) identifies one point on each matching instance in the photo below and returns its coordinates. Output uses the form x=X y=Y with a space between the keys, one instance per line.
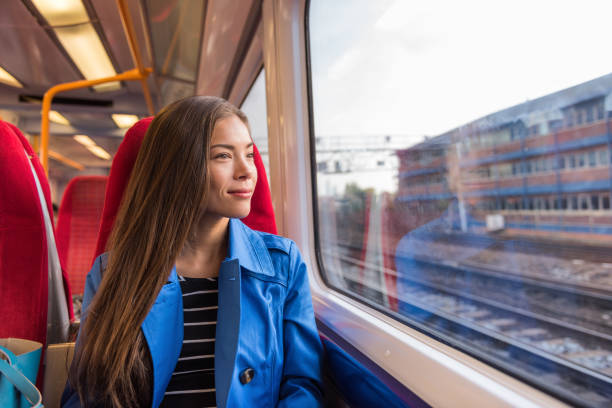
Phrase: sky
x=424 y=67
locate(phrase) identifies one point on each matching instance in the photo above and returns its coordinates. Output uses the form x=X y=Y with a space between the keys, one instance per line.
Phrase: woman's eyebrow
x=231 y=147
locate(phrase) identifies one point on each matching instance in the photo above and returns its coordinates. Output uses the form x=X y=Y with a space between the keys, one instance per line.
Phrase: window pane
x=417 y=108
x=592 y=159
x=254 y=106
x=603 y=157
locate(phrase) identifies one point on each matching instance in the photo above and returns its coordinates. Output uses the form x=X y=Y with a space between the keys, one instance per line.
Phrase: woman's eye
x=251 y=155
x=222 y=156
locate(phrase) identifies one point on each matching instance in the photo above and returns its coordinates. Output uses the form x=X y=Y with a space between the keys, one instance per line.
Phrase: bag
x=19 y=361
x=57 y=362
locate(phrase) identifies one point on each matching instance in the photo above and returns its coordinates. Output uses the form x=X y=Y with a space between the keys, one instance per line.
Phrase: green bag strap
x=27 y=389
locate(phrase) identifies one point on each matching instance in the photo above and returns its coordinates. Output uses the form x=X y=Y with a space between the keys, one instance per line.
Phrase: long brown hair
x=166 y=194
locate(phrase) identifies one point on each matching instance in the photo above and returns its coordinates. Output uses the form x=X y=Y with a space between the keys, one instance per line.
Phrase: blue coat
x=265 y=321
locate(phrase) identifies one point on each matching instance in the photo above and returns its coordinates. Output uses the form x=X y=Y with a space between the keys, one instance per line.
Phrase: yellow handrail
x=140 y=73
x=128 y=27
x=130 y=75
x=65 y=160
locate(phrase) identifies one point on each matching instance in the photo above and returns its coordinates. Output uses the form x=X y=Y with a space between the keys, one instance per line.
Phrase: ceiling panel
x=224 y=24
x=110 y=20
x=28 y=53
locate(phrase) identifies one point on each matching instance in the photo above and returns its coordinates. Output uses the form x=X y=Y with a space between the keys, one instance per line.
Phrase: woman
x=190 y=307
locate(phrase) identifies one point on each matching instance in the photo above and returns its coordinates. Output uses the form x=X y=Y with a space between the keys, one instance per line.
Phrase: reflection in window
x=175 y=29
x=489 y=222
x=254 y=106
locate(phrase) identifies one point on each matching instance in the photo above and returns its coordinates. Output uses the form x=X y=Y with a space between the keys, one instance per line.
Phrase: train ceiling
x=193 y=46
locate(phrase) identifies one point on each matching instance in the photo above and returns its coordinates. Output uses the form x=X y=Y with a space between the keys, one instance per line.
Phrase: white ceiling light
x=56 y=117
x=70 y=23
x=8 y=79
x=92 y=146
x=62 y=12
x=84 y=140
x=124 y=121
x=100 y=152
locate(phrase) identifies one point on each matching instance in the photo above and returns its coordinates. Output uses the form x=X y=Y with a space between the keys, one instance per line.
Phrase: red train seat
x=261 y=217
x=78 y=223
x=30 y=270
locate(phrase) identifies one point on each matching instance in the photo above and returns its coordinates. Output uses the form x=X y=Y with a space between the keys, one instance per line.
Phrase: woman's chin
x=239 y=213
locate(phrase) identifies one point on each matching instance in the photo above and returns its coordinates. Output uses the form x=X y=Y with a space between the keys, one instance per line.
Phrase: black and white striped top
x=193 y=381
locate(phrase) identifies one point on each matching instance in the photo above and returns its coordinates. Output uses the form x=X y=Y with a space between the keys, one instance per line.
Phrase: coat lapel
x=162 y=327
x=228 y=327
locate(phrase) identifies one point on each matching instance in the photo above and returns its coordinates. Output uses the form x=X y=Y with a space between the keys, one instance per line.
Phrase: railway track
x=589 y=309
x=556 y=324
x=570 y=266
x=560 y=249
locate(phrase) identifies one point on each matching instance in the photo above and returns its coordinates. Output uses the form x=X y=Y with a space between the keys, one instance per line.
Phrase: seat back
x=78 y=223
x=29 y=265
x=261 y=217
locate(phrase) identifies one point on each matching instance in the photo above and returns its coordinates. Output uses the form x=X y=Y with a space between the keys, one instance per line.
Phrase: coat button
x=246 y=376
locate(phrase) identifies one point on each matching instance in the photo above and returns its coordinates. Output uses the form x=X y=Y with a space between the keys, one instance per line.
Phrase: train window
x=419 y=87
x=254 y=106
x=175 y=33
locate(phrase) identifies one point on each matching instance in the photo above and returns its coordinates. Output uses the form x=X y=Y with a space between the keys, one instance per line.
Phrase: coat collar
x=248 y=248
x=245 y=246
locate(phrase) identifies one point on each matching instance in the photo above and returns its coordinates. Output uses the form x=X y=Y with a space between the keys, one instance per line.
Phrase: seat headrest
x=260 y=218
x=24 y=257
x=78 y=224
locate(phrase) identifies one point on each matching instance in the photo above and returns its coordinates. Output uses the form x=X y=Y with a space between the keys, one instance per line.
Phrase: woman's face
x=231 y=168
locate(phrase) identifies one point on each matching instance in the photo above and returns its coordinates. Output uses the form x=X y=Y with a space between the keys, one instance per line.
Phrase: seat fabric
x=24 y=258
x=78 y=224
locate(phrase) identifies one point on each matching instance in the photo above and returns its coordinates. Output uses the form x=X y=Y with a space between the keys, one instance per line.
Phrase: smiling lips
x=243 y=193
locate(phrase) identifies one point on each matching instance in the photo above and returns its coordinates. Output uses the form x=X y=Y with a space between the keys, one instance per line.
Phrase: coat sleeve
x=70 y=398
x=301 y=385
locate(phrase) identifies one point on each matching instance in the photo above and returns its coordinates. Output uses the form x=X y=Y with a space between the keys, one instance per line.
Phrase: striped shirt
x=193 y=380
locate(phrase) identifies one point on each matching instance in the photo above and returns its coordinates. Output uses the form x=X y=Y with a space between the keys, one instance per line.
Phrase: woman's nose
x=245 y=168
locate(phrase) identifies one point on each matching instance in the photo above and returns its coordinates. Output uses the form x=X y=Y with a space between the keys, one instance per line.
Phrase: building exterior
x=538 y=168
